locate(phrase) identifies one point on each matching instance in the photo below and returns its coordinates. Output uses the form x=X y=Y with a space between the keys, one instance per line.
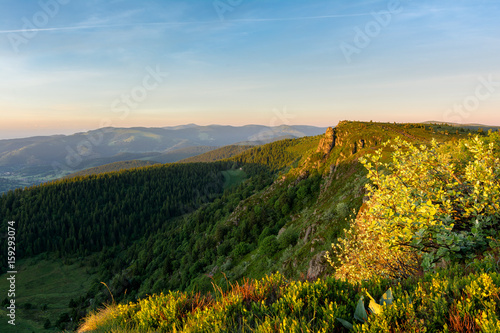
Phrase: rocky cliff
x=328 y=142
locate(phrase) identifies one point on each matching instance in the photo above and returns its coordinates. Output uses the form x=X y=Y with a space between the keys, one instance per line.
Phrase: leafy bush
x=342 y=210
x=287 y=238
x=457 y=299
x=269 y=246
x=427 y=204
x=241 y=249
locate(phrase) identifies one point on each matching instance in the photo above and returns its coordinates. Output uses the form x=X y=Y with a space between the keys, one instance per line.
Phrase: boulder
x=317 y=266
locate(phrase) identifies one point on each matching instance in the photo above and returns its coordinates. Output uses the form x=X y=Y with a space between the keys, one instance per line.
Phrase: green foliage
x=218 y=154
x=277 y=155
x=288 y=238
x=269 y=246
x=233 y=177
x=444 y=301
x=111 y=167
x=241 y=249
x=47 y=324
x=426 y=205
x=342 y=210
x=360 y=313
x=48 y=285
x=84 y=215
x=158 y=229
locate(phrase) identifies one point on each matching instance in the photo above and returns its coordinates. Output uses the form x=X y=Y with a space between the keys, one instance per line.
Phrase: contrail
x=85 y=27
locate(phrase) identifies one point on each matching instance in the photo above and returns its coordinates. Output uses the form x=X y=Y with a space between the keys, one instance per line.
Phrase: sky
x=68 y=66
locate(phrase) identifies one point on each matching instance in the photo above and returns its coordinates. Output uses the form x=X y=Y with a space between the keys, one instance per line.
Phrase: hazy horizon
x=5 y=136
x=71 y=67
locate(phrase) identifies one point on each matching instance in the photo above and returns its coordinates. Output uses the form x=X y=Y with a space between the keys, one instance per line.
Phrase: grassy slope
x=44 y=281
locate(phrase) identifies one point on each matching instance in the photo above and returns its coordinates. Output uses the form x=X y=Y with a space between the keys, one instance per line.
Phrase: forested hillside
x=116 y=166
x=218 y=154
x=276 y=207
x=424 y=244
x=84 y=215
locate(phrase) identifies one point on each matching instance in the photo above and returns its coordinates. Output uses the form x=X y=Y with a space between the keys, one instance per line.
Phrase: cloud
x=104 y=26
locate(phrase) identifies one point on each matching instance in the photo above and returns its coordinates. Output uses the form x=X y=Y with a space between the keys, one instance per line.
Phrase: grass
x=42 y=282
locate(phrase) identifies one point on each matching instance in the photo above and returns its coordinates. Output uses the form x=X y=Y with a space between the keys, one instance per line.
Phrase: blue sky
x=86 y=64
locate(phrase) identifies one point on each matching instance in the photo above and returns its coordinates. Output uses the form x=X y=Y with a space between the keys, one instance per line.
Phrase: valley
x=189 y=226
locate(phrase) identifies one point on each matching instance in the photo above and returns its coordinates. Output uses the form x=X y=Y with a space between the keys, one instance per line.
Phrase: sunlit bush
x=428 y=204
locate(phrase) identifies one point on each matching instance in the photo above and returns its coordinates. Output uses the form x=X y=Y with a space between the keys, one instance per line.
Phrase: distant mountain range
x=33 y=160
x=468 y=126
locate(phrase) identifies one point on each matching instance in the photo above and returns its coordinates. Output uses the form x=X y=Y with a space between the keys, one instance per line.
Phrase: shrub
x=287 y=238
x=449 y=300
x=241 y=249
x=269 y=246
x=426 y=204
x=342 y=210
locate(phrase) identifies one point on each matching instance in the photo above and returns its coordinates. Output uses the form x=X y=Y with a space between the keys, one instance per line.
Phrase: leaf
x=345 y=323
x=360 y=313
x=387 y=298
x=373 y=306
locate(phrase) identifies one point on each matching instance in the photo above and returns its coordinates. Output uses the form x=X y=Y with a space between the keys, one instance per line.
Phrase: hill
x=39 y=159
x=275 y=207
x=218 y=154
x=112 y=167
x=443 y=192
x=473 y=127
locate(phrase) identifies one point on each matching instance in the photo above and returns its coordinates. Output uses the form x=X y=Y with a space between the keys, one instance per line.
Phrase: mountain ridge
x=29 y=161
x=275 y=207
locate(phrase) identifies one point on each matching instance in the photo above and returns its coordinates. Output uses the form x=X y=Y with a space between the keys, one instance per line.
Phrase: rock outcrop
x=317 y=266
x=328 y=142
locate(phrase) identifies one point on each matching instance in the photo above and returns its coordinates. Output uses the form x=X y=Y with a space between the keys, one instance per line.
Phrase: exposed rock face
x=361 y=143
x=354 y=148
x=317 y=266
x=309 y=231
x=328 y=142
